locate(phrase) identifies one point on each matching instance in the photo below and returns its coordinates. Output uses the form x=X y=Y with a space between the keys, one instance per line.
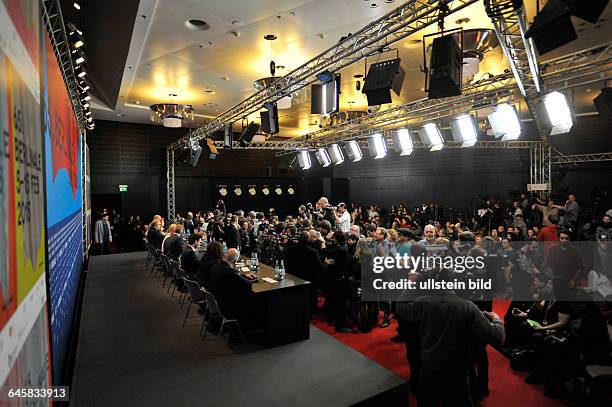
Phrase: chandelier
x=171 y=114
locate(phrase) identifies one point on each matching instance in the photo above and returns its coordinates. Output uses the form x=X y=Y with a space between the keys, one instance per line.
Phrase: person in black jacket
x=232 y=234
x=174 y=243
x=336 y=281
x=231 y=291
x=303 y=261
x=189 y=224
x=447 y=325
x=155 y=236
x=189 y=259
x=212 y=257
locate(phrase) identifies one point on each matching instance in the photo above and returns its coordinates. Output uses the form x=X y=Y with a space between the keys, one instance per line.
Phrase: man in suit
x=155 y=236
x=103 y=233
x=231 y=291
x=304 y=262
x=188 y=224
x=232 y=234
x=189 y=260
x=173 y=245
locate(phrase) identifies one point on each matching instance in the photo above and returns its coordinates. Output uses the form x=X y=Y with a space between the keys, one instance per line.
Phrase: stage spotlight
x=353 y=151
x=505 y=122
x=464 y=130
x=80 y=71
x=304 y=160
x=431 y=136
x=79 y=56
x=323 y=157
x=86 y=98
x=559 y=113
x=335 y=153
x=403 y=142
x=378 y=147
x=75 y=36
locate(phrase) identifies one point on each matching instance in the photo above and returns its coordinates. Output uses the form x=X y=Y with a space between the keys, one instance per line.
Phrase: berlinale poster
x=64 y=204
x=24 y=340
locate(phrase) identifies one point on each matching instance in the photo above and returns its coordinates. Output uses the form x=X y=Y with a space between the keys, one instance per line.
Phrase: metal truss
x=263 y=145
x=582 y=158
x=54 y=22
x=400 y=23
x=510 y=26
x=171 y=198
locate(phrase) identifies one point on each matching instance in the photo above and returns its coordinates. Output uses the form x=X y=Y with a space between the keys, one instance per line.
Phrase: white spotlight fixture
x=559 y=113
x=304 y=160
x=335 y=153
x=464 y=130
x=403 y=142
x=76 y=5
x=86 y=98
x=431 y=136
x=353 y=151
x=505 y=122
x=323 y=157
x=378 y=147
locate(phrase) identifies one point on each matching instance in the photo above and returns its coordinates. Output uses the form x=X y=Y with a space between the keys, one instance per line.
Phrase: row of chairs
x=161 y=266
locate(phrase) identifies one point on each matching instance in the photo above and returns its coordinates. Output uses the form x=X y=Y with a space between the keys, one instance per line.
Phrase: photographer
x=328 y=212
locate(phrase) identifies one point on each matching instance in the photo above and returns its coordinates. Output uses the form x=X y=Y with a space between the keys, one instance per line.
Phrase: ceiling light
x=431 y=137
x=323 y=157
x=505 y=122
x=197 y=25
x=403 y=142
x=171 y=114
x=86 y=98
x=464 y=130
x=304 y=160
x=335 y=153
x=353 y=150
x=80 y=71
x=378 y=147
x=85 y=105
x=79 y=60
x=76 y=5
x=559 y=113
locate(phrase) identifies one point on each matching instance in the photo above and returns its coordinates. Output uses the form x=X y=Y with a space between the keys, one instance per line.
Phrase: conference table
x=281 y=308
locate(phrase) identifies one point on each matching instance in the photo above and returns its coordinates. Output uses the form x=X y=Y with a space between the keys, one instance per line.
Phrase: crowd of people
x=446 y=335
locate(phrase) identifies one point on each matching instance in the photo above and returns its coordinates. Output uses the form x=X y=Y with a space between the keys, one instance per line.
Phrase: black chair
x=196 y=295
x=149 y=251
x=214 y=312
x=166 y=269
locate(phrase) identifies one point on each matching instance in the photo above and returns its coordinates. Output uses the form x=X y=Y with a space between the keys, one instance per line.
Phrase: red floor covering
x=506 y=386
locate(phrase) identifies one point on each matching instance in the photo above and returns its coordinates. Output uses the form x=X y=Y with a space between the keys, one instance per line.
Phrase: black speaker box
x=603 y=103
x=228 y=136
x=552 y=27
x=445 y=68
x=194 y=156
x=588 y=10
x=381 y=79
x=247 y=135
x=269 y=119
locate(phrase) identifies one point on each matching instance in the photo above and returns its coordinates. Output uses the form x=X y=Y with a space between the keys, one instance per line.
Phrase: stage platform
x=133 y=351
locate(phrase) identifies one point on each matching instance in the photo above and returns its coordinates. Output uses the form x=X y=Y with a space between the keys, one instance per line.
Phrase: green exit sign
x=123 y=188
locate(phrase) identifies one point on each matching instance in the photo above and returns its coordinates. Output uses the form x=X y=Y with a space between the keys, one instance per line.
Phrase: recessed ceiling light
x=412 y=43
x=358 y=76
x=209 y=91
x=373 y=5
x=237 y=23
x=198 y=25
x=463 y=20
x=270 y=37
x=138 y=102
x=588 y=90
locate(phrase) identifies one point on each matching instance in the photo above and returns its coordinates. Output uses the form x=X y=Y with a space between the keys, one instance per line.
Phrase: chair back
x=213 y=307
x=166 y=264
x=195 y=292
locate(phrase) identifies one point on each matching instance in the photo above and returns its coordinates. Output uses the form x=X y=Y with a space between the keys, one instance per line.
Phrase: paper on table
x=269 y=280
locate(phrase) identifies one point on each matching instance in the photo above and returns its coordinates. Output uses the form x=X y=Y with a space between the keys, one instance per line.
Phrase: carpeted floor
x=133 y=351
x=506 y=386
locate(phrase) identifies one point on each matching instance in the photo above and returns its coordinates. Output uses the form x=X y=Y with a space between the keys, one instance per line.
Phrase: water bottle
x=277 y=270
x=224 y=248
x=256 y=263
x=281 y=270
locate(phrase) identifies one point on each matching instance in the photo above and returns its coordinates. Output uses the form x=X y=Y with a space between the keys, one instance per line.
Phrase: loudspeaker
x=603 y=103
x=445 y=68
x=269 y=119
x=325 y=98
x=193 y=155
x=247 y=135
x=381 y=78
x=228 y=136
x=589 y=10
x=552 y=27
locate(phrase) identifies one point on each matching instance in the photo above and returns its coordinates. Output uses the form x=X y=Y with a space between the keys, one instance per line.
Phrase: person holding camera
x=329 y=214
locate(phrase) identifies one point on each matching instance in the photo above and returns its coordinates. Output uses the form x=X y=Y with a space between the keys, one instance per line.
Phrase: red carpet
x=507 y=386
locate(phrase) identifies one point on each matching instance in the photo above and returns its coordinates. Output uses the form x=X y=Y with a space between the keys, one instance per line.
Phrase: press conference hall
x=306 y=202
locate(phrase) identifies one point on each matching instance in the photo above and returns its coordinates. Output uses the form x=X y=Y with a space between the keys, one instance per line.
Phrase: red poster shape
x=63 y=129
x=26 y=24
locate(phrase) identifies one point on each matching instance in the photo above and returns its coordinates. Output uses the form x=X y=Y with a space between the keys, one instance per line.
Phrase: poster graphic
x=64 y=204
